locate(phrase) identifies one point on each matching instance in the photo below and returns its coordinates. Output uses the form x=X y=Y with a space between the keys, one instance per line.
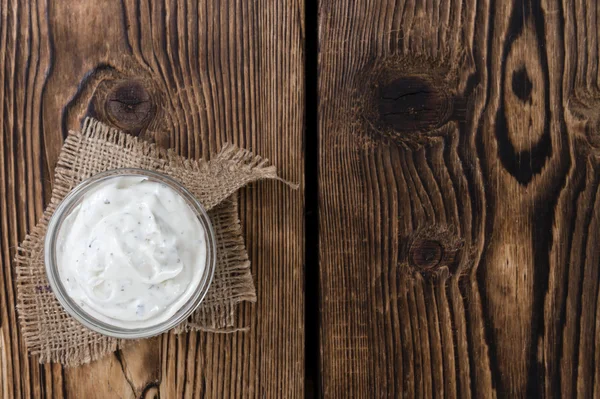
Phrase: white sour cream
x=132 y=252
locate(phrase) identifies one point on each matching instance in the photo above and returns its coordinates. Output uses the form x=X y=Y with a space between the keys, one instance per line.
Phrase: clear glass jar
x=71 y=201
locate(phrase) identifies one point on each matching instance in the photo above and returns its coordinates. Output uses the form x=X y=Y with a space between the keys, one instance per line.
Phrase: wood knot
x=410 y=101
x=413 y=103
x=129 y=106
x=431 y=250
x=425 y=254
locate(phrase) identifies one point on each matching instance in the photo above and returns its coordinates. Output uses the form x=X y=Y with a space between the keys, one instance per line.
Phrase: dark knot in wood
x=413 y=103
x=426 y=254
x=129 y=106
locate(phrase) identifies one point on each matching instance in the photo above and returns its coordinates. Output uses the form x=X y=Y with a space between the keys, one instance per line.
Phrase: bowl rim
x=64 y=208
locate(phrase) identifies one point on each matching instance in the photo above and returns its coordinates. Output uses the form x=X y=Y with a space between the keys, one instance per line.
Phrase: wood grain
x=458 y=179
x=207 y=73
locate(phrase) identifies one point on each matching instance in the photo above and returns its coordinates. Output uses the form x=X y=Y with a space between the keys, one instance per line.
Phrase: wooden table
x=192 y=76
x=444 y=239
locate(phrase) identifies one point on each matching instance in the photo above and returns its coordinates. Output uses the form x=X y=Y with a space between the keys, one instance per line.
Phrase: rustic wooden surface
x=189 y=75
x=459 y=213
x=457 y=187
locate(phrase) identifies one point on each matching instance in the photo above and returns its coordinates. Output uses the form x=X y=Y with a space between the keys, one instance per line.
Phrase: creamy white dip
x=132 y=252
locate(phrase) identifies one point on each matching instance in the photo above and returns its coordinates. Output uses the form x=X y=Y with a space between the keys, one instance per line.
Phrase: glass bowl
x=73 y=199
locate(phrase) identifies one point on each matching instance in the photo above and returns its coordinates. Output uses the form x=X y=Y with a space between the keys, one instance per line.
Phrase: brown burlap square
x=56 y=337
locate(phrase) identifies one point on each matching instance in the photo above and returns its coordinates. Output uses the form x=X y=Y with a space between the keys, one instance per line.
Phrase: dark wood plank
x=199 y=74
x=458 y=183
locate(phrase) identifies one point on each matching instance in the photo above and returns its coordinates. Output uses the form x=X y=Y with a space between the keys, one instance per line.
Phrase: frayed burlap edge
x=56 y=337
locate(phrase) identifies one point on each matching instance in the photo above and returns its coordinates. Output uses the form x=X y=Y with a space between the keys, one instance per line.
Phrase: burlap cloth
x=56 y=337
